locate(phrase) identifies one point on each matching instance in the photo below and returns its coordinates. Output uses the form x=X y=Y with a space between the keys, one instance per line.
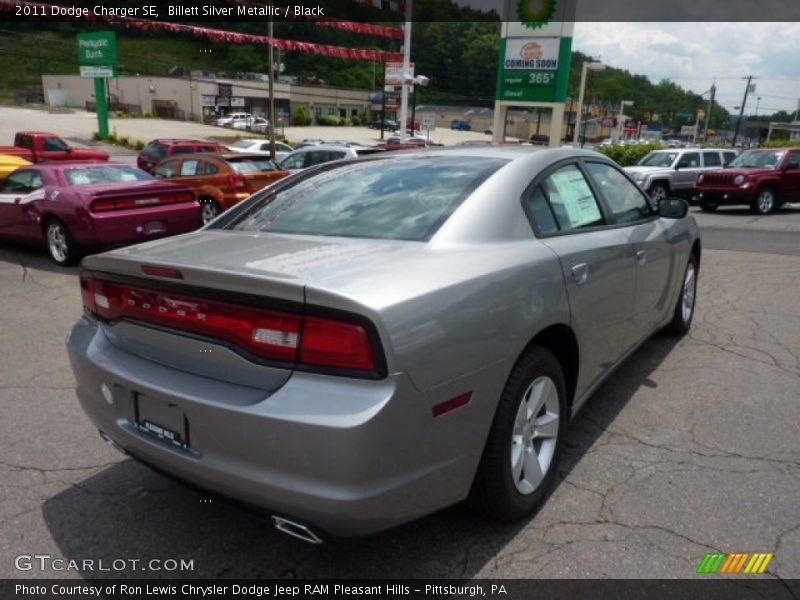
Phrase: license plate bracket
x=153 y=227
x=162 y=420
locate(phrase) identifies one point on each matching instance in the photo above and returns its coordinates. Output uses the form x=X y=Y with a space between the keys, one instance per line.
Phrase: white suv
x=237 y=120
x=674 y=172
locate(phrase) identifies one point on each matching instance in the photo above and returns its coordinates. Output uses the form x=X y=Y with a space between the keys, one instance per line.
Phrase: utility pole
x=271 y=67
x=741 y=111
x=406 y=69
x=710 y=108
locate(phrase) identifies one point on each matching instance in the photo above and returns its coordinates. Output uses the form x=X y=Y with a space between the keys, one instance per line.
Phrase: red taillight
x=162 y=272
x=332 y=343
x=106 y=204
x=237 y=181
x=287 y=337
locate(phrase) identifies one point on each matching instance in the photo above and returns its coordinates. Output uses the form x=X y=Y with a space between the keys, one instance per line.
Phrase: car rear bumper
x=130 y=226
x=345 y=456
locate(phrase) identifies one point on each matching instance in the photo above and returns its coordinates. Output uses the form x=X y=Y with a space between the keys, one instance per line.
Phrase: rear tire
x=60 y=244
x=683 y=314
x=658 y=192
x=209 y=210
x=521 y=456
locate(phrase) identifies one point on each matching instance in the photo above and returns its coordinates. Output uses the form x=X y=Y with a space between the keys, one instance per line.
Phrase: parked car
x=76 y=206
x=309 y=142
x=374 y=341
x=389 y=124
x=41 y=146
x=261 y=146
x=540 y=139
x=259 y=125
x=763 y=179
x=220 y=180
x=673 y=172
x=9 y=164
x=310 y=156
x=460 y=125
x=237 y=120
x=489 y=131
x=159 y=149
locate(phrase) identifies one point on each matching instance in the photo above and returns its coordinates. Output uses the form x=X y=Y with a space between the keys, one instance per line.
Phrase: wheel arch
x=560 y=339
x=659 y=181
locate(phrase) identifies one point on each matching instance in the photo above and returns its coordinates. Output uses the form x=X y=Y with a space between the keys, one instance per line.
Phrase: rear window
x=251 y=164
x=402 y=199
x=152 y=149
x=105 y=174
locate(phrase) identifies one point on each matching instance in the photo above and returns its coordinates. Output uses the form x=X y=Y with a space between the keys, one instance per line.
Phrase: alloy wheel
x=534 y=436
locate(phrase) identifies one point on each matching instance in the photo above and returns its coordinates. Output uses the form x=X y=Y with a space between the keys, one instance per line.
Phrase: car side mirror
x=673 y=208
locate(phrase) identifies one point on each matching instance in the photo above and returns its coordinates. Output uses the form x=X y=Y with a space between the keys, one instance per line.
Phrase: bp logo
x=535 y=13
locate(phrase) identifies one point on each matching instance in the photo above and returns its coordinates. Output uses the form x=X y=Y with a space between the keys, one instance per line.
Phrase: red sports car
x=73 y=206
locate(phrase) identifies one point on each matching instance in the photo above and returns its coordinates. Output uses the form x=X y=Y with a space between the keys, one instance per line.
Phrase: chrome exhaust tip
x=297 y=530
x=112 y=443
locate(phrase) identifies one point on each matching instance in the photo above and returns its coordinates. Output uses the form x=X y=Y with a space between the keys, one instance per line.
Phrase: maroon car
x=72 y=206
x=158 y=150
x=764 y=179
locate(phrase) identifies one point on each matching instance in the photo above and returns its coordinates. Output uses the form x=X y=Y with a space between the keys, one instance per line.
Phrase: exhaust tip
x=296 y=530
x=112 y=443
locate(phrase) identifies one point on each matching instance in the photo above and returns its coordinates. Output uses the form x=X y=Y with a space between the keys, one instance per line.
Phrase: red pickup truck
x=40 y=146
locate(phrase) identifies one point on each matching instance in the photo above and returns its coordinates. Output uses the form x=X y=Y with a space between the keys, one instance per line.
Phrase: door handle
x=641 y=257
x=580 y=273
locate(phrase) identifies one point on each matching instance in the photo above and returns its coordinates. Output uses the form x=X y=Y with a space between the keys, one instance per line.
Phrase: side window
x=168 y=169
x=315 y=157
x=729 y=156
x=295 y=161
x=571 y=199
x=54 y=144
x=18 y=182
x=191 y=168
x=711 y=159
x=182 y=150
x=690 y=160
x=24 y=141
x=535 y=205
x=793 y=159
x=211 y=168
x=36 y=180
x=626 y=202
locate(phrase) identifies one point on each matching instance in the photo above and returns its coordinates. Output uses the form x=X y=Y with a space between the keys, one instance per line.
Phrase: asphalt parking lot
x=691 y=447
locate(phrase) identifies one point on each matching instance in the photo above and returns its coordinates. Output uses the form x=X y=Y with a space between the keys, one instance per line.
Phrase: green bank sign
x=534 y=69
x=97 y=48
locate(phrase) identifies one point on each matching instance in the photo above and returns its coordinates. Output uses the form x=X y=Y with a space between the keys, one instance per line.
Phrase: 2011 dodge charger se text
x=370 y=341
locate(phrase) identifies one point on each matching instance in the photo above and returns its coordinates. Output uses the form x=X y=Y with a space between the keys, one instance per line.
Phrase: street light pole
x=271 y=59
x=622 y=106
x=406 y=69
x=587 y=66
x=741 y=112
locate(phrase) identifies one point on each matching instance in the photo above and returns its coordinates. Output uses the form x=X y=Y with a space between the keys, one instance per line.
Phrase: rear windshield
x=403 y=198
x=105 y=174
x=251 y=164
x=153 y=149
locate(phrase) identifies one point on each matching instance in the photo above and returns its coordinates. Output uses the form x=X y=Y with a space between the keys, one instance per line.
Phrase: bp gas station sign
x=534 y=69
x=534 y=59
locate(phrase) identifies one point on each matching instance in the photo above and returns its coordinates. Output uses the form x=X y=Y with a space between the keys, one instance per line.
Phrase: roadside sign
x=394 y=73
x=97 y=71
x=97 y=48
x=97 y=57
x=429 y=121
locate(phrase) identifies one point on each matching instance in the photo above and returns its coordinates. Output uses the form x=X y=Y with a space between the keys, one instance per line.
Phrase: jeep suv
x=674 y=172
x=763 y=179
x=158 y=150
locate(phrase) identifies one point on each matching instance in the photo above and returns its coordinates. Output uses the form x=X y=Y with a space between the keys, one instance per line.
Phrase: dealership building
x=204 y=97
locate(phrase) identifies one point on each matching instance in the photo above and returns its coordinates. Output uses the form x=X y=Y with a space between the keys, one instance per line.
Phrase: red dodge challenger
x=74 y=206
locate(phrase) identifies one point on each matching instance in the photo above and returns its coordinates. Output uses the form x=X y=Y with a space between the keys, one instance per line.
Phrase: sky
x=694 y=54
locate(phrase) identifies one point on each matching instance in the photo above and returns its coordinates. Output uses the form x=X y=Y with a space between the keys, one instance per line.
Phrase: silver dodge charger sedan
x=370 y=341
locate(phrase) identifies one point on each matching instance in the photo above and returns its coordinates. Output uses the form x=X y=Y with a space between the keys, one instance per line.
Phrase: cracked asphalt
x=691 y=447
